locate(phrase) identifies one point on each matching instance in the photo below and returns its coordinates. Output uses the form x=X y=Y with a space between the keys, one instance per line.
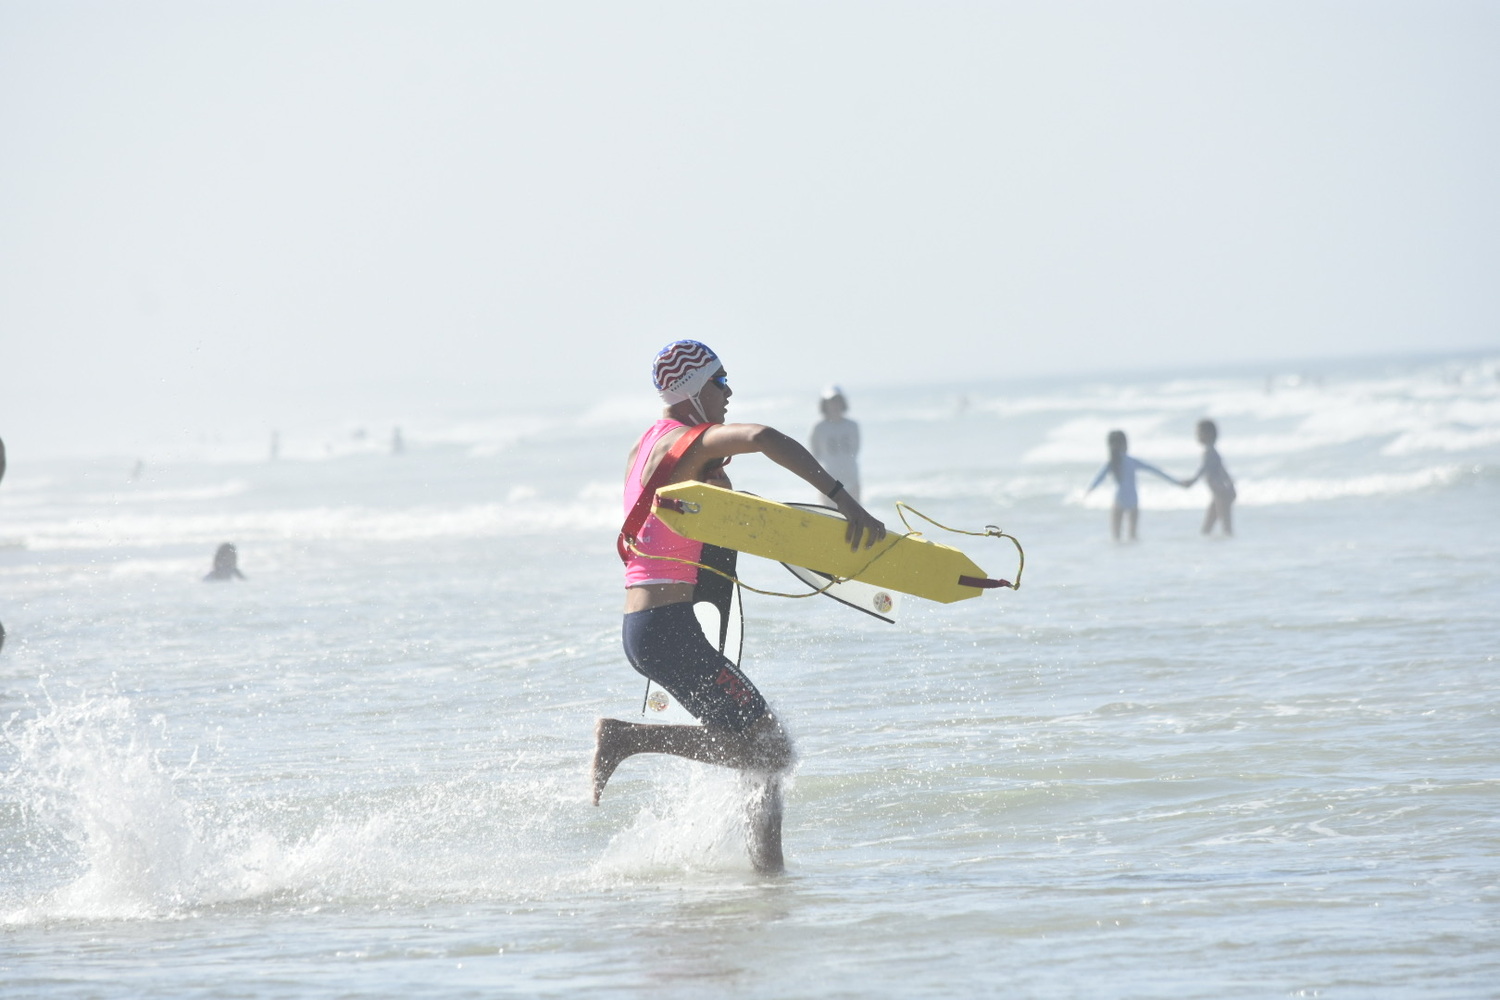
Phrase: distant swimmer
x=835 y=441
x=226 y=565
x=661 y=635
x=1127 y=505
x=1212 y=472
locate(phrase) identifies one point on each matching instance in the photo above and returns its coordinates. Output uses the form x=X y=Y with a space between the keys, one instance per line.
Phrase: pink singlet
x=655 y=537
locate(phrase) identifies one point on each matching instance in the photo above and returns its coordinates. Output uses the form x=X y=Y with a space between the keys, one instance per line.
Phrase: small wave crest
x=1287 y=490
x=524 y=512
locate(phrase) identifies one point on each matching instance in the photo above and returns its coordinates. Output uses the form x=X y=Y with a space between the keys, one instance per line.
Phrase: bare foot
x=607 y=753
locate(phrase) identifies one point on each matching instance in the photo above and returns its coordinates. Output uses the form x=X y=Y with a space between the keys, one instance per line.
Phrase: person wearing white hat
x=661 y=635
x=835 y=441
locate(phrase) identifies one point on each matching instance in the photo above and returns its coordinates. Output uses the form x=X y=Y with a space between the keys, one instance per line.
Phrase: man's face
x=714 y=397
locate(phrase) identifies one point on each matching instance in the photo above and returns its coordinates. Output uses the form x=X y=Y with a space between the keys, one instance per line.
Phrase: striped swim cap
x=681 y=369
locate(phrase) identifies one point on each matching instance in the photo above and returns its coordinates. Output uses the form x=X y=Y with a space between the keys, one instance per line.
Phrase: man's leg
x=763 y=823
x=762 y=751
x=763 y=747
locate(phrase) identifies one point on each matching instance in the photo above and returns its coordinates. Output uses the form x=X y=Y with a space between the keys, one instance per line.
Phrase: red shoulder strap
x=659 y=478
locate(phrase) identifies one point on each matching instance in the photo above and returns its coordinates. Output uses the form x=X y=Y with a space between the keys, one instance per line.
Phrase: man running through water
x=662 y=638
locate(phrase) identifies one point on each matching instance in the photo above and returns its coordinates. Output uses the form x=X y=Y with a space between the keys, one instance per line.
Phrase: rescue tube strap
x=661 y=476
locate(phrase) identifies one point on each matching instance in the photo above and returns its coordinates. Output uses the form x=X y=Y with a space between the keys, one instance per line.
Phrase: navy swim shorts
x=667 y=645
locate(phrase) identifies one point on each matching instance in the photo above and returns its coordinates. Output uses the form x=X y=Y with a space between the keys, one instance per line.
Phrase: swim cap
x=681 y=369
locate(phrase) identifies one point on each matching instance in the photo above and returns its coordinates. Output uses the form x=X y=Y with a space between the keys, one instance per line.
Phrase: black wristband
x=835 y=491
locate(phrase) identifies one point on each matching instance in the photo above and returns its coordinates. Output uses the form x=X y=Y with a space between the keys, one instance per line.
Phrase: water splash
x=90 y=777
x=694 y=822
x=110 y=829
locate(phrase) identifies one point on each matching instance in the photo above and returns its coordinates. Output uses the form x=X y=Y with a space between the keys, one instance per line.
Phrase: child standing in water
x=1123 y=468
x=1220 y=486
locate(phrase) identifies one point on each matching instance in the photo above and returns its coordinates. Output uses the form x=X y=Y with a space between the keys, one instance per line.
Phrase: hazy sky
x=241 y=206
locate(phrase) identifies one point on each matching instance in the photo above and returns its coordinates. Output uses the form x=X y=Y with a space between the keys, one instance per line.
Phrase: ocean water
x=1184 y=767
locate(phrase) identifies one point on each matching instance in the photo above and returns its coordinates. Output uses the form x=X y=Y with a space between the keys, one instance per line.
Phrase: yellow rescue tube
x=806 y=538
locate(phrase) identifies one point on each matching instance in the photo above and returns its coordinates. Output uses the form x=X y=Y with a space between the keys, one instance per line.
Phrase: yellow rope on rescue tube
x=990 y=531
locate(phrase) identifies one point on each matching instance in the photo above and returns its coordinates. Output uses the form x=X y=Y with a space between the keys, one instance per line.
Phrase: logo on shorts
x=883 y=602
x=734 y=687
x=658 y=701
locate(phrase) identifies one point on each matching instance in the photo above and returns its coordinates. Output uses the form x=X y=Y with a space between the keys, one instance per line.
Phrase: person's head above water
x=1116 y=442
x=226 y=564
x=1208 y=432
x=682 y=370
